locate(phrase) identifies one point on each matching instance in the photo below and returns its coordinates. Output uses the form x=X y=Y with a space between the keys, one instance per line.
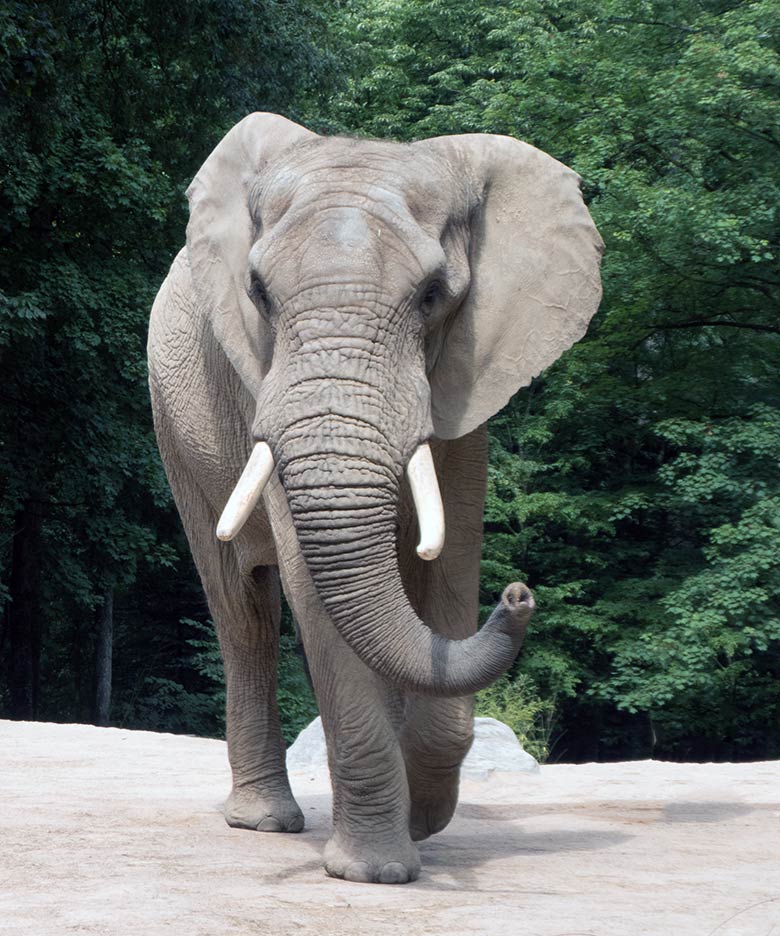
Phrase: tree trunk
x=104 y=619
x=25 y=612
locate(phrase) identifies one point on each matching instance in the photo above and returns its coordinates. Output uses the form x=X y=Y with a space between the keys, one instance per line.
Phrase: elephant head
x=372 y=295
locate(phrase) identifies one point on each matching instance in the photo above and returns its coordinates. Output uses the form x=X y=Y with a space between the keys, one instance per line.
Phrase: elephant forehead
x=347 y=227
x=390 y=179
x=350 y=242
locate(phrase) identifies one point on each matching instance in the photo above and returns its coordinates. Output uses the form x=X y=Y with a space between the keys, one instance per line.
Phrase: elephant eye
x=257 y=292
x=430 y=297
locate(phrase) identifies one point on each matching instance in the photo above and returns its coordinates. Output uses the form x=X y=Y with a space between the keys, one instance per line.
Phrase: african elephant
x=345 y=317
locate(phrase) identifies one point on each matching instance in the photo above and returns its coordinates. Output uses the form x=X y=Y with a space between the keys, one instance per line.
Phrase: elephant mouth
x=422 y=480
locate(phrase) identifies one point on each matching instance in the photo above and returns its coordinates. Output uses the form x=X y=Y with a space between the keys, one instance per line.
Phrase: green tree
x=635 y=483
x=108 y=109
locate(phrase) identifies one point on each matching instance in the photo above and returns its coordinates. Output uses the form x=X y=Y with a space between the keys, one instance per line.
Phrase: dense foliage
x=108 y=110
x=635 y=485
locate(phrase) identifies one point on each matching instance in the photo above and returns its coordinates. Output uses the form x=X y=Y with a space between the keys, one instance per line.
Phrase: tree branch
x=638 y=22
x=695 y=323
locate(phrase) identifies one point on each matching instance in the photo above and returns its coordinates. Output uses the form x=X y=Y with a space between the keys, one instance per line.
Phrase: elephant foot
x=263 y=812
x=368 y=862
x=433 y=802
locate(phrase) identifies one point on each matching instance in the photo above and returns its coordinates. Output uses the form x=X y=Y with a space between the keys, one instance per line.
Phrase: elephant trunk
x=343 y=502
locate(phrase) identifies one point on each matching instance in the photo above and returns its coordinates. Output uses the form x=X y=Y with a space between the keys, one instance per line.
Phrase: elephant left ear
x=220 y=235
x=534 y=256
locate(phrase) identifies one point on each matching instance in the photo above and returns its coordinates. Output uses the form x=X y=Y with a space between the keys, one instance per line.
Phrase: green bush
x=297 y=705
x=190 y=697
x=517 y=703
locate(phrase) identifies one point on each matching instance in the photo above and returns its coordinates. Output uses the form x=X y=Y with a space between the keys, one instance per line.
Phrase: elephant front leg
x=246 y=607
x=370 y=841
x=261 y=798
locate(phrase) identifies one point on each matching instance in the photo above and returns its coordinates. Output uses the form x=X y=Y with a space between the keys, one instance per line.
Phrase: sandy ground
x=104 y=831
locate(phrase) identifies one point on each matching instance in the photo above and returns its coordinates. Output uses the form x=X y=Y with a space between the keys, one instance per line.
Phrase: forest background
x=635 y=484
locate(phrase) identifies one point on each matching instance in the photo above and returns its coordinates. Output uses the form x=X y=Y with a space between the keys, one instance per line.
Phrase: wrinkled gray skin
x=344 y=301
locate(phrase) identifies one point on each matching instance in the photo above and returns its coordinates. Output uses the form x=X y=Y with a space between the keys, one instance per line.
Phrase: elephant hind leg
x=437 y=733
x=436 y=736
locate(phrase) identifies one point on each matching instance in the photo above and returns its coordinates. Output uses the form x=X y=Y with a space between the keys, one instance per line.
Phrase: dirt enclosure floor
x=112 y=832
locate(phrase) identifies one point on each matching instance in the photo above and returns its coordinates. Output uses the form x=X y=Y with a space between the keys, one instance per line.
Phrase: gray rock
x=495 y=748
x=308 y=750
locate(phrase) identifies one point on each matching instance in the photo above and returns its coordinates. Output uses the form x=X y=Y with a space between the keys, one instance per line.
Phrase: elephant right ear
x=534 y=259
x=220 y=234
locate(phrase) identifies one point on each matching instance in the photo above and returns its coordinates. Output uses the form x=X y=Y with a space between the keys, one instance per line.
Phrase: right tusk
x=247 y=492
x=427 y=502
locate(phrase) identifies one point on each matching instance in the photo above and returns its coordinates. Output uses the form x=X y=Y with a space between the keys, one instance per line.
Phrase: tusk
x=247 y=492
x=427 y=502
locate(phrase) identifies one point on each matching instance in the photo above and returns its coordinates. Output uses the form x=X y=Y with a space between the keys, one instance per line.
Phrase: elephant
x=323 y=357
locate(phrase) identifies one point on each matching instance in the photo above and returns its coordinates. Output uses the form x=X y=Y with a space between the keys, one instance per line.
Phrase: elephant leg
x=245 y=603
x=261 y=797
x=437 y=733
x=371 y=840
x=361 y=717
x=436 y=737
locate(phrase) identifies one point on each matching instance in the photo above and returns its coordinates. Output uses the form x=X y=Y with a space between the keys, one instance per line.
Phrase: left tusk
x=427 y=502
x=247 y=492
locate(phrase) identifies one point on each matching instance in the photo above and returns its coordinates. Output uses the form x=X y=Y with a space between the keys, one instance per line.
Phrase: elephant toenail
x=269 y=824
x=393 y=873
x=360 y=872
